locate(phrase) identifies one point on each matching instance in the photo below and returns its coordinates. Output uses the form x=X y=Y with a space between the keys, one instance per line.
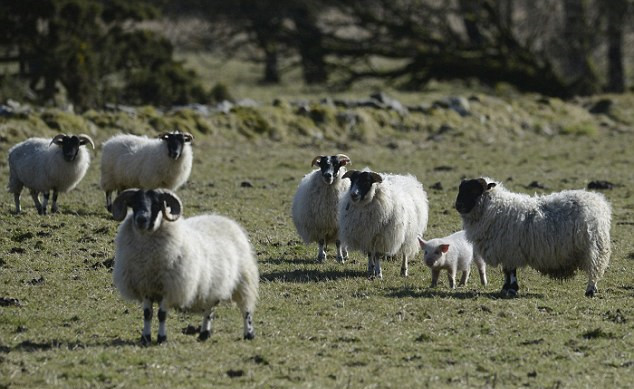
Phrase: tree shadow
x=308 y=276
x=289 y=261
x=456 y=294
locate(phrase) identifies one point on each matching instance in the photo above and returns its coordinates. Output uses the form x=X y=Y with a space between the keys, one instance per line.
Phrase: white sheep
x=382 y=215
x=453 y=253
x=555 y=234
x=192 y=264
x=43 y=165
x=130 y=161
x=315 y=203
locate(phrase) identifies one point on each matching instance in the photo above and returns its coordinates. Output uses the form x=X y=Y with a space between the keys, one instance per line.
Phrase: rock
x=536 y=185
x=602 y=106
x=8 y=301
x=600 y=184
x=246 y=184
x=437 y=186
x=224 y=106
x=460 y=105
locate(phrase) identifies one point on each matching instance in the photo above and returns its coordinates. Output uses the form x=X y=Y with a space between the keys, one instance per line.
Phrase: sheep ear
x=120 y=204
x=171 y=201
x=317 y=158
x=444 y=248
x=188 y=137
x=349 y=174
x=491 y=185
x=59 y=138
x=421 y=242
x=85 y=139
x=343 y=159
x=376 y=177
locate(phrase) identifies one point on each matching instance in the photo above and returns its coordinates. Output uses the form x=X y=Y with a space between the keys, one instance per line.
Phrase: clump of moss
x=250 y=122
x=64 y=121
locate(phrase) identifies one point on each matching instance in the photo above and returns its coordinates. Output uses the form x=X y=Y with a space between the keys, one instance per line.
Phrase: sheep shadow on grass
x=34 y=346
x=455 y=294
x=309 y=275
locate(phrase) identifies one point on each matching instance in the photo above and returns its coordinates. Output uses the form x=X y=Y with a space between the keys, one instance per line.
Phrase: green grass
x=326 y=325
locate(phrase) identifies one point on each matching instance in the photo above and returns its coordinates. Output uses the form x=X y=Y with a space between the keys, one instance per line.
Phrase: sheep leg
x=321 y=257
x=109 y=200
x=16 y=199
x=370 y=265
x=341 y=257
x=451 y=276
x=162 y=317
x=435 y=273
x=482 y=269
x=511 y=286
x=45 y=197
x=205 y=326
x=378 y=273
x=249 y=332
x=146 y=335
x=36 y=200
x=591 y=289
x=404 y=267
x=54 y=205
x=465 y=277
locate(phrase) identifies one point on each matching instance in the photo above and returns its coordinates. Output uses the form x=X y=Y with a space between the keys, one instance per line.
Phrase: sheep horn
x=188 y=137
x=343 y=159
x=163 y=134
x=174 y=203
x=316 y=159
x=120 y=205
x=85 y=139
x=58 y=138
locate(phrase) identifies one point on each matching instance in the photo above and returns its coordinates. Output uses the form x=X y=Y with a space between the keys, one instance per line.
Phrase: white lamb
x=314 y=207
x=452 y=253
x=556 y=234
x=130 y=161
x=192 y=264
x=43 y=165
x=382 y=215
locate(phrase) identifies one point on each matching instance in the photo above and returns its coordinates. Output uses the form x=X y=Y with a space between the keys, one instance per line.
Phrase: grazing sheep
x=130 y=161
x=39 y=166
x=555 y=234
x=383 y=215
x=192 y=264
x=453 y=253
x=315 y=204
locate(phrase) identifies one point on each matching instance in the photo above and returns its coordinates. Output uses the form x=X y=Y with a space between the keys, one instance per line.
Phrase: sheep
x=314 y=207
x=382 y=214
x=192 y=263
x=34 y=163
x=130 y=161
x=453 y=253
x=556 y=234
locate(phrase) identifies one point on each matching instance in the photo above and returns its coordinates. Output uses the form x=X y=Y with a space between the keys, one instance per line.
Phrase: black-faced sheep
x=192 y=263
x=44 y=165
x=315 y=204
x=382 y=215
x=555 y=234
x=130 y=161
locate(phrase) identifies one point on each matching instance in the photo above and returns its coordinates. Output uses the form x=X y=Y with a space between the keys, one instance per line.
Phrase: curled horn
x=85 y=139
x=343 y=159
x=188 y=137
x=58 y=138
x=317 y=158
x=172 y=201
x=120 y=204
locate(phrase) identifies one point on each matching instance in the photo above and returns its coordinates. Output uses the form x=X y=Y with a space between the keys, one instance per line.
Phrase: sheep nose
x=355 y=196
x=327 y=176
x=141 y=221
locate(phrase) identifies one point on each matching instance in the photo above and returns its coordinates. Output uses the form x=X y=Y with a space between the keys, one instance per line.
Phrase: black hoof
x=161 y=339
x=109 y=208
x=146 y=340
x=204 y=335
x=249 y=336
x=591 y=292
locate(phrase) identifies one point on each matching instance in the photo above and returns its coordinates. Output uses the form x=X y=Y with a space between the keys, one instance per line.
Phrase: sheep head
x=146 y=207
x=175 y=142
x=470 y=192
x=70 y=144
x=362 y=185
x=330 y=166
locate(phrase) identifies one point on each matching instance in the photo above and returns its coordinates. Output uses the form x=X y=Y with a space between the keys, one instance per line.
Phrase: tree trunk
x=469 y=10
x=271 y=69
x=310 y=47
x=616 y=10
x=577 y=38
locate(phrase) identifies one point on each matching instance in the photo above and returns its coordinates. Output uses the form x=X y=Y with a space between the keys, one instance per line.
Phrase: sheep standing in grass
x=43 y=165
x=130 y=161
x=556 y=234
x=453 y=253
x=191 y=264
x=315 y=204
x=382 y=215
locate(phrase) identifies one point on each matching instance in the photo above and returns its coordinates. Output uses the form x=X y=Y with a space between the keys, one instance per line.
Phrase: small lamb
x=453 y=253
x=192 y=264
x=43 y=165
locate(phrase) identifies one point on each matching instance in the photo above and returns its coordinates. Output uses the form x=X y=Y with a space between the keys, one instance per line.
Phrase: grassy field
x=62 y=323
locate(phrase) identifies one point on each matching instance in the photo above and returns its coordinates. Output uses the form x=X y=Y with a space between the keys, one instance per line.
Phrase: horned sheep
x=315 y=203
x=131 y=161
x=452 y=253
x=45 y=165
x=192 y=263
x=556 y=234
x=382 y=215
